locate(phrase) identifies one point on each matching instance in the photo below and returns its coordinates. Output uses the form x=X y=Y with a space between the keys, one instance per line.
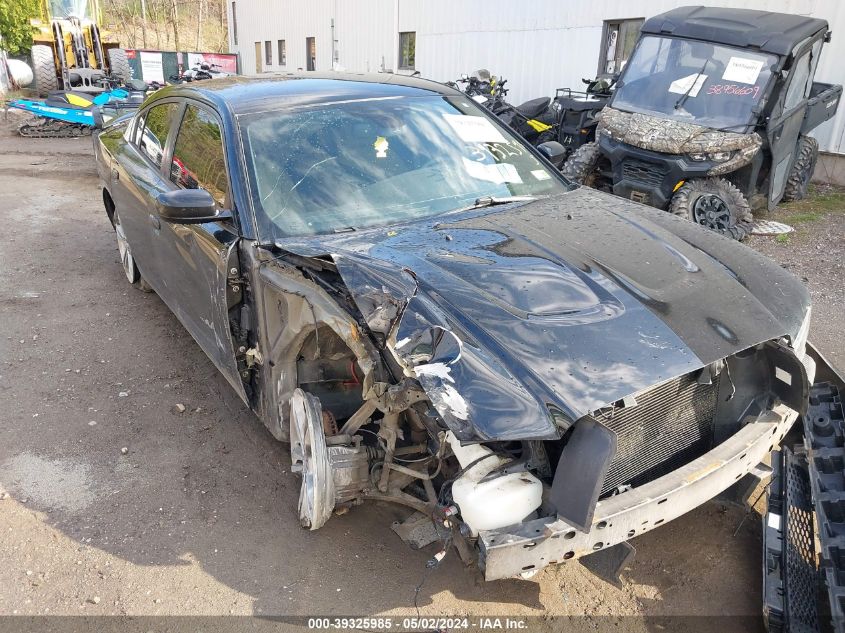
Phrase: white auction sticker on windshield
x=499 y=173
x=690 y=84
x=743 y=70
x=509 y=173
x=540 y=174
x=474 y=129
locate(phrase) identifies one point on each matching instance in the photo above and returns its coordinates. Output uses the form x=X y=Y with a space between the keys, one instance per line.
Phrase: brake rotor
x=310 y=458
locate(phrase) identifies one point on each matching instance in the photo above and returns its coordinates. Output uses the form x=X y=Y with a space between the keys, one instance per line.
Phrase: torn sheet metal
x=505 y=314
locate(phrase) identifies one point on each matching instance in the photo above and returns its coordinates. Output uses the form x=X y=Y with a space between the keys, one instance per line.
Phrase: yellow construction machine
x=70 y=52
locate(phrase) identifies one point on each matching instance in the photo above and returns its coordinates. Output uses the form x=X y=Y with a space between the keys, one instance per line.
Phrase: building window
x=407 y=49
x=619 y=38
x=310 y=53
x=283 y=58
x=268 y=53
x=235 y=23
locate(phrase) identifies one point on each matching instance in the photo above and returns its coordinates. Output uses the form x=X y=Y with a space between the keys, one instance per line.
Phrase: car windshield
x=697 y=82
x=376 y=162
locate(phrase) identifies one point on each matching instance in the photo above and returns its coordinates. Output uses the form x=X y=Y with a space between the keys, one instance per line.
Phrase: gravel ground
x=114 y=502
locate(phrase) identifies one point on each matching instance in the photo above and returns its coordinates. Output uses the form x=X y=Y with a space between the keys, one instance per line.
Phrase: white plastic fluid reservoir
x=498 y=502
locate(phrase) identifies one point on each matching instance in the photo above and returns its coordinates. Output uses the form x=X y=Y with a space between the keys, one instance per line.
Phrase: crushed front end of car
x=545 y=381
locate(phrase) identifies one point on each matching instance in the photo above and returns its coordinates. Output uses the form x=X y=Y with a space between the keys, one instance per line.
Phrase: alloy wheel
x=711 y=211
x=126 y=259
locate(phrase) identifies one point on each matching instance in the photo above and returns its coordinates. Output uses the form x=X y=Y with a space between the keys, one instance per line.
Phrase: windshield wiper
x=492 y=201
x=683 y=98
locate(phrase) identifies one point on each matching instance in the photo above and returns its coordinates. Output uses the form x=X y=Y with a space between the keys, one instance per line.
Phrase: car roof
x=245 y=95
x=776 y=33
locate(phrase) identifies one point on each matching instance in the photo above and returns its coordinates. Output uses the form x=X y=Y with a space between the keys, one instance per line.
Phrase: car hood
x=519 y=320
x=669 y=136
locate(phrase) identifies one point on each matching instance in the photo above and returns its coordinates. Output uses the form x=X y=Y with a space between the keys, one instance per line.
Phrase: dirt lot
x=199 y=516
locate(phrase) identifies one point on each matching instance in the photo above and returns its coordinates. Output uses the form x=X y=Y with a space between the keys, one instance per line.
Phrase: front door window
x=198 y=161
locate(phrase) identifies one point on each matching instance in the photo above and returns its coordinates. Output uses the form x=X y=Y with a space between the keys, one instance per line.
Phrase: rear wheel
x=716 y=204
x=130 y=268
x=802 y=170
x=582 y=166
x=119 y=64
x=44 y=69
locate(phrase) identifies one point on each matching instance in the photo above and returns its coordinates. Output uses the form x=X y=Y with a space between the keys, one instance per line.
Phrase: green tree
x=15 y=29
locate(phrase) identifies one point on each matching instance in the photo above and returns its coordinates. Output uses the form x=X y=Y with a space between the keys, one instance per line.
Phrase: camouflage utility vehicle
x=711 y=115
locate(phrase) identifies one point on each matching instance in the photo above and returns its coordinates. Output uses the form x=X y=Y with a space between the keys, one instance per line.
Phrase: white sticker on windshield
x=743 y=70
x=691 y=83
x=509 y=173
x=474 y=129
x=540 y=174
x=498 y=173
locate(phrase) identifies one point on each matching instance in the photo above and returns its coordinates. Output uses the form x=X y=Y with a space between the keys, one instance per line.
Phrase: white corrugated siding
x=536 y=46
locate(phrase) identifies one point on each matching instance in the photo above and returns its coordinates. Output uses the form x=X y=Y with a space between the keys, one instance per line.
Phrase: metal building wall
x=537 y=46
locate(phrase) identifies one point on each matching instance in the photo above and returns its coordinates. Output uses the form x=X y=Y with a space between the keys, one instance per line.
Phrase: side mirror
x=554 y=151
x=189 y=206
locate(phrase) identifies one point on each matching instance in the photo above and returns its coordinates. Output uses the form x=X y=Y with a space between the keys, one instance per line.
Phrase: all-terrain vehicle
x=576 y=112
x=711 y=114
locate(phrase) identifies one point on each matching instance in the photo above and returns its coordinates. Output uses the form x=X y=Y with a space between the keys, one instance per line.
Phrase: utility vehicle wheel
x=582 y=165
x=44 y=69
x=130 y=268
x=119 y=64
x=716 y=204
x=802 y=169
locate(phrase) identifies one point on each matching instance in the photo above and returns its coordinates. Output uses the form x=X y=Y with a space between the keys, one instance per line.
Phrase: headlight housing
x=715 y=157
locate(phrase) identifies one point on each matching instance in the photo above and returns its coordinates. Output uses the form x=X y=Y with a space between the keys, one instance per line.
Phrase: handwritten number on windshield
x=733 y=89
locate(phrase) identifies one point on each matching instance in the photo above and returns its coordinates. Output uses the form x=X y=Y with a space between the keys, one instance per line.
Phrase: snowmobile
x=70 y=113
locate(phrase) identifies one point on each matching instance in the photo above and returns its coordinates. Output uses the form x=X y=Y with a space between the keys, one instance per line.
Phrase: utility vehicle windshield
x=376 y=162
x=697 y=82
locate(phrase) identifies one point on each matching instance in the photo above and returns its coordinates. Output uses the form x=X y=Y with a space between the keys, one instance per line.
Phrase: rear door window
x=151 y=134
x=198 y=161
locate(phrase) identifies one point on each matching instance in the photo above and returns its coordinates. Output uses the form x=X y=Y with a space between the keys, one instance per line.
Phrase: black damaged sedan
x=419 y=303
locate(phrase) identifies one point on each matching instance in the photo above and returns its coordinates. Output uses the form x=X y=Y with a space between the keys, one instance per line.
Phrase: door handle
x=155 y=221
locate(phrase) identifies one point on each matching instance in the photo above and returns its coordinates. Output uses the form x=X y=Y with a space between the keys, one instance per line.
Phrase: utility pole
x=175 y=18
x=199 y=26
x=144 y=23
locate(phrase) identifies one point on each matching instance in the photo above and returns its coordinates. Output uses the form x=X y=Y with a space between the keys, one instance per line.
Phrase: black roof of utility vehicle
x=776 y=33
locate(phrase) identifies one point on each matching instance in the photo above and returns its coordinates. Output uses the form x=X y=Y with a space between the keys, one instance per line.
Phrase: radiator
x=671 y=425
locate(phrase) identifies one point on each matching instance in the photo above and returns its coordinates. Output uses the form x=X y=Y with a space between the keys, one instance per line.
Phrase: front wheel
x=584 y=167
x=716 y=204
x=45 y=79
x=119 y=64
